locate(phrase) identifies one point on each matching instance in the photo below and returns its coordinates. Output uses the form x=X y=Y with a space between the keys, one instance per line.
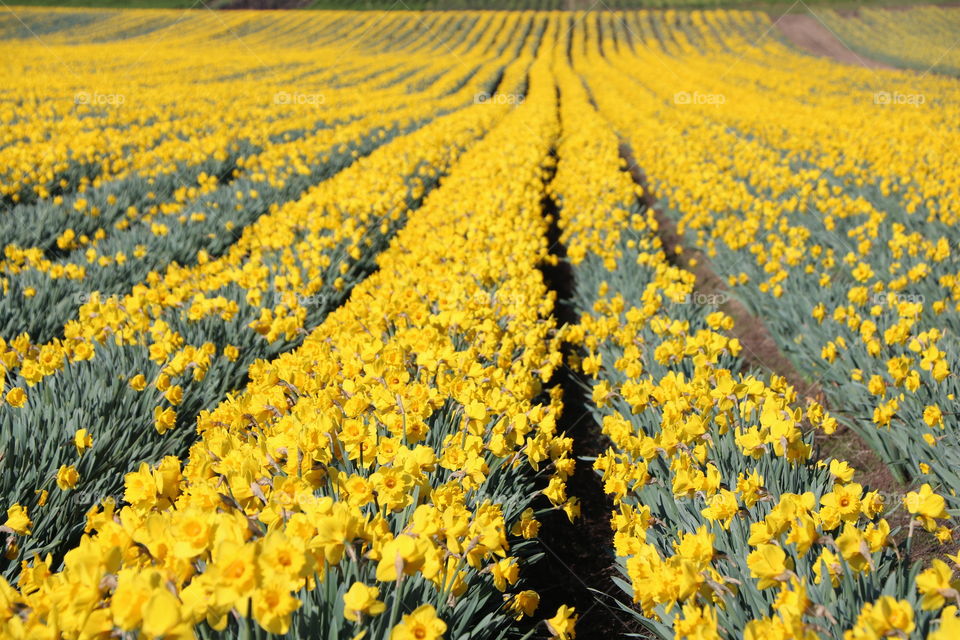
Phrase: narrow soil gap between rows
x=578 y=558
x=761 y=352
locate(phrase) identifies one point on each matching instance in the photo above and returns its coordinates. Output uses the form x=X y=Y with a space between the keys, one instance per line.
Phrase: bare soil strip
x=809 y=34
x=578 y=566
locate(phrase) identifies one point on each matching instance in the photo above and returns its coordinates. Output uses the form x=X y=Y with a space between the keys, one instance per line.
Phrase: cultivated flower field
x=321 y=325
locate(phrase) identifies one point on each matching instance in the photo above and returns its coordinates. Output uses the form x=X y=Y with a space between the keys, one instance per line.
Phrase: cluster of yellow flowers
x=280 y=278
x=719 y=494
x=358 y=245
x=841 y=241
x=109 y=233
x=388 y=459
x=335 y=220
x=165 y=114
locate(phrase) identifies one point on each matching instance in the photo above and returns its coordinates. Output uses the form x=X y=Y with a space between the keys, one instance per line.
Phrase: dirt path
x=810 y=35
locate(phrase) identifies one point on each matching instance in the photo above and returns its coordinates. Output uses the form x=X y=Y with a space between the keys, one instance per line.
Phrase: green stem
x=397 y=597
x=245 y=627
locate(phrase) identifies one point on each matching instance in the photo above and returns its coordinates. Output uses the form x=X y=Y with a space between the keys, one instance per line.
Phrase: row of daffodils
x=727 y=522
x=379 y=477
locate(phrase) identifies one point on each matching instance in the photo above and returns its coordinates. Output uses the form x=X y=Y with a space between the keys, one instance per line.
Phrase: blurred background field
x=459 y=5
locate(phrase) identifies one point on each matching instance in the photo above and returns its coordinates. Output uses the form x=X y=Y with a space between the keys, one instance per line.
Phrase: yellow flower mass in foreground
x=299 y=312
